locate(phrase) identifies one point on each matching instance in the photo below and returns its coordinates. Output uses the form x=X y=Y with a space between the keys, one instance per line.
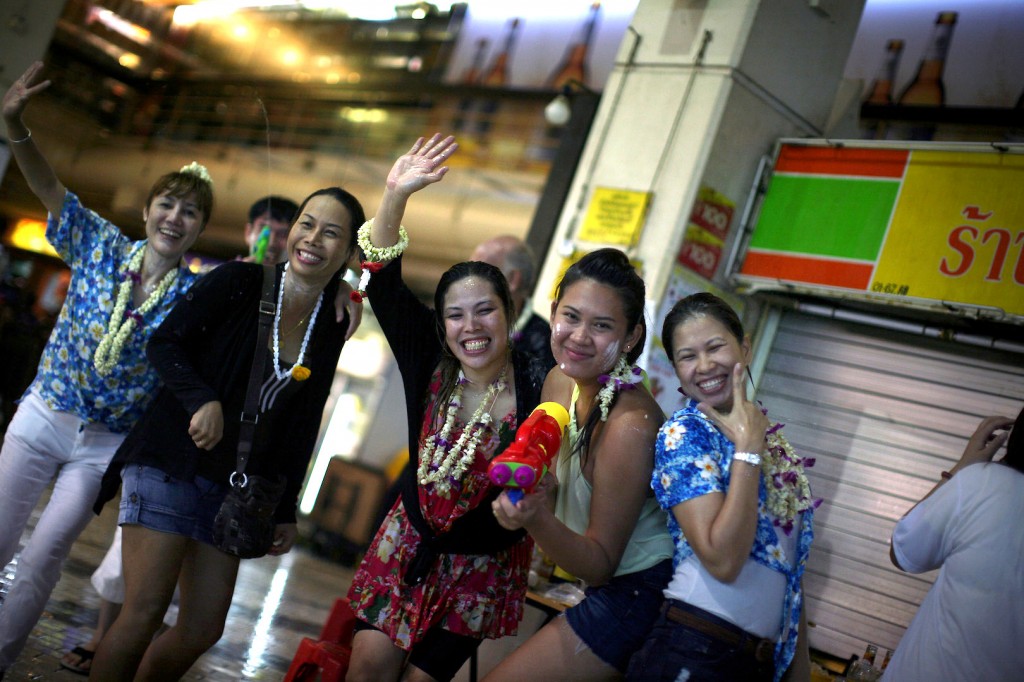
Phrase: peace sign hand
x=421 y=165
x=21 y=91
x=745 y=424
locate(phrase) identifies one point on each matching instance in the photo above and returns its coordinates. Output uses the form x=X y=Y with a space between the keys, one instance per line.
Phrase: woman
x=93 y=380
x=970 y=624
x=176 y=462
x=605 y=527
x=441 y=575
x=740 y=515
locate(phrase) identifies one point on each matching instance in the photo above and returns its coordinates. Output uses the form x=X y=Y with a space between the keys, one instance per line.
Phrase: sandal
x=84 y=663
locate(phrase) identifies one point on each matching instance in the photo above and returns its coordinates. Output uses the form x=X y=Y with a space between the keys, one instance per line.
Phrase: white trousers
x=40 y=445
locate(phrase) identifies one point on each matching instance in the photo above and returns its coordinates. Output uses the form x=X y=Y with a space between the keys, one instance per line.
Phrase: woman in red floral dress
x=441 y=575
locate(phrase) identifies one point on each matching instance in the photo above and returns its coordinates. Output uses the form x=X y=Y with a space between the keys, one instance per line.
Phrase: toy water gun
x=523 y=463
x=259 y=249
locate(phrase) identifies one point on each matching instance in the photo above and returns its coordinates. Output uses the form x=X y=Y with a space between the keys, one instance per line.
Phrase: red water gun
x=523 y=463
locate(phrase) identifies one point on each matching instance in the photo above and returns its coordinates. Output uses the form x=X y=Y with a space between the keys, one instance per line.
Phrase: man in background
x=532 y=333
x=276 y=213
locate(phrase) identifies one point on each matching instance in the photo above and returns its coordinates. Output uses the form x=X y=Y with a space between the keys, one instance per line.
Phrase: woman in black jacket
x=176 y=462
x=441 y=575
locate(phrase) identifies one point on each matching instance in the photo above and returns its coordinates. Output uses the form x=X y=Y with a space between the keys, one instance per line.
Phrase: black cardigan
x=203 y=351
x=411 y=332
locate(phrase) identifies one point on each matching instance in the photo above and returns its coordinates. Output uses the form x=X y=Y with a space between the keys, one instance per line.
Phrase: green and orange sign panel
x=901 y=223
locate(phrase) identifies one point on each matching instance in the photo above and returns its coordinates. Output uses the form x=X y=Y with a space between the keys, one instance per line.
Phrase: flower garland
x=788 y=490
x=376 y=256
x=298 y=371
x=623 y=377
x=123 y=321
x=198 y=170
x=440 y=465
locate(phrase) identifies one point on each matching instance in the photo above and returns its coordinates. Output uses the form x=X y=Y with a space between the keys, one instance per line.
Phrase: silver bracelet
x=24 y=139
x=751 y=458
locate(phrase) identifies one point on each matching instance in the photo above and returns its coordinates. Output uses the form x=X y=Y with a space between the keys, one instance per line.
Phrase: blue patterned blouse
x=693 y=458
x=66 y=380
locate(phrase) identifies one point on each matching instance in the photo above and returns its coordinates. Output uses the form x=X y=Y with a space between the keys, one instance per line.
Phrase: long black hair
x=449 y=363
x=611 y=268
x=1015 y=445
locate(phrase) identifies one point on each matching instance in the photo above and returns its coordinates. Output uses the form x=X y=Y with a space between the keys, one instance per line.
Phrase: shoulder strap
x=250 y=409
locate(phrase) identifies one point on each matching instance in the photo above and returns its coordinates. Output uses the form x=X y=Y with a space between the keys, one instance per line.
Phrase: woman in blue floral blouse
x=740 y=516
x=93 y=380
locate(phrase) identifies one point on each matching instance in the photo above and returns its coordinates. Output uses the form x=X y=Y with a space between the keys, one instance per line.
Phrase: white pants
x=42 y=444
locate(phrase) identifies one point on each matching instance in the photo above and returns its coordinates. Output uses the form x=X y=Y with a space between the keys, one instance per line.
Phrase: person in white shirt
x=970 y=625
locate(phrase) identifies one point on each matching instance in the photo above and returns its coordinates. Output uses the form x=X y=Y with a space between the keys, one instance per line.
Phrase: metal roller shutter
x=883 y=413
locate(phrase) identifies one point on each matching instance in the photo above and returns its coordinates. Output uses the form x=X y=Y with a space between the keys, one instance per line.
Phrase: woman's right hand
x=513 y=516
x=21 y=91
x=745 y=424
x=985 y=441
x=207 y=425
x=422 y=165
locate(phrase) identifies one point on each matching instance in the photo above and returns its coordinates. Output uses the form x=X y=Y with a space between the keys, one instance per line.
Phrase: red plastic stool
x=340 y=623
x=326 y=661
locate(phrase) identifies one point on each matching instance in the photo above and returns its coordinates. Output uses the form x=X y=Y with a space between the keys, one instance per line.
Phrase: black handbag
x=244 y=525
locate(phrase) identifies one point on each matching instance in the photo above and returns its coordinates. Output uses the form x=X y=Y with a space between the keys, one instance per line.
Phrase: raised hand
x=27 y=86
x=745 y=424
x=422 y=165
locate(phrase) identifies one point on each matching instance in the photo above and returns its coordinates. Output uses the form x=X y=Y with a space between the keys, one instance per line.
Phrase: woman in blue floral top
x=93 y=380
x=740 y=516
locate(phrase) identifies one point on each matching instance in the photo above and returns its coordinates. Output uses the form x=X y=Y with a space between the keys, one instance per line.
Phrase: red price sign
x=705 y=235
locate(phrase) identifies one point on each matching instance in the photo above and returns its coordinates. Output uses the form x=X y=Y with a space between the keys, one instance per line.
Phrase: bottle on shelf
x=927 y=88
x=880 y=91
x=574 y=64
x=470 y=77
x=885 y=661
x=497 y=75
x=864 y=669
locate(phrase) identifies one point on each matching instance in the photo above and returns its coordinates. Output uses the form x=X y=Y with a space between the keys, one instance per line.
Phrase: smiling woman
x=177 y=461
x=94 y=380
x=441 y=575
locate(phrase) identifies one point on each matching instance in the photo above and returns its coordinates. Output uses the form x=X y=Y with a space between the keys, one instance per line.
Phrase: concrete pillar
x=701 y=90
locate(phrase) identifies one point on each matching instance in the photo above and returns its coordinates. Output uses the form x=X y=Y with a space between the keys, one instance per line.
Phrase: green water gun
x=259 y=249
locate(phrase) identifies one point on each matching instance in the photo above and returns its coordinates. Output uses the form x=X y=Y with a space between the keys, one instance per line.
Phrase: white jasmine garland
x=375 y=255
x=122 y=321
x=440 y=465
x=298 y=371
x=625 y=376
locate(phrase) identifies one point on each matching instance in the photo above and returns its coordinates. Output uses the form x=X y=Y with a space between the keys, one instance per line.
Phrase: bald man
x=532 y=334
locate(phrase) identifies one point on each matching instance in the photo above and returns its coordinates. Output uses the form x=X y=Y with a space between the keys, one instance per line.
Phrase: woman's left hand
x=745 y=424
x=284 y=537
x=422 y=165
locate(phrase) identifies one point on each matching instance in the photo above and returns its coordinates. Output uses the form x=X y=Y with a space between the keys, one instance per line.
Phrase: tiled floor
x=278 y=601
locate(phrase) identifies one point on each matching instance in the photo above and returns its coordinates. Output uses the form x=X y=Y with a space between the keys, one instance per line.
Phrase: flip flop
x=85 y=661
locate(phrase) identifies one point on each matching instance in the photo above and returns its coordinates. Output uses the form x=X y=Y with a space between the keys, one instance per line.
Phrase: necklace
x=123 y=321
x=440 y=465
x=292 y=330
x=298 y=372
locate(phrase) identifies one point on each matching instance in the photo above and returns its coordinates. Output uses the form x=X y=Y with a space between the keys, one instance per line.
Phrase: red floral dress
x=478 y=595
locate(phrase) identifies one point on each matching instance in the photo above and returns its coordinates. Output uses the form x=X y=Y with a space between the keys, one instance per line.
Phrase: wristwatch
x=751 y=458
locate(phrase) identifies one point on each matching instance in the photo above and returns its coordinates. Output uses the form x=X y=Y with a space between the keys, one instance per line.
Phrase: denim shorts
x=157 y=501
x=616 y=617
x=673 y=648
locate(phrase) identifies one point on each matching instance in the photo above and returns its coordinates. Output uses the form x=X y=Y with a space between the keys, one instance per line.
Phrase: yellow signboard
x=957 y=232
x=615 y=216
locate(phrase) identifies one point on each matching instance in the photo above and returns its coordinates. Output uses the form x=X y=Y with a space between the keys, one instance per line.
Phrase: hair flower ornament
x=198 y=170
x=623 y=377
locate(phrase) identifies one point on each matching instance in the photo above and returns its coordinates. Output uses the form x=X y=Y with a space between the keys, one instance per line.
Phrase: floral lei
x=376 y=256
x=788 y=490
x=123 y=321
x=623 y=377
x=440 y=465
x=299 y=372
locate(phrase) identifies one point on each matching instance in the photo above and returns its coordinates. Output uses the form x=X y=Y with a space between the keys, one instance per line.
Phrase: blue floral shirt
x=66 y=380
x=693 y=458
